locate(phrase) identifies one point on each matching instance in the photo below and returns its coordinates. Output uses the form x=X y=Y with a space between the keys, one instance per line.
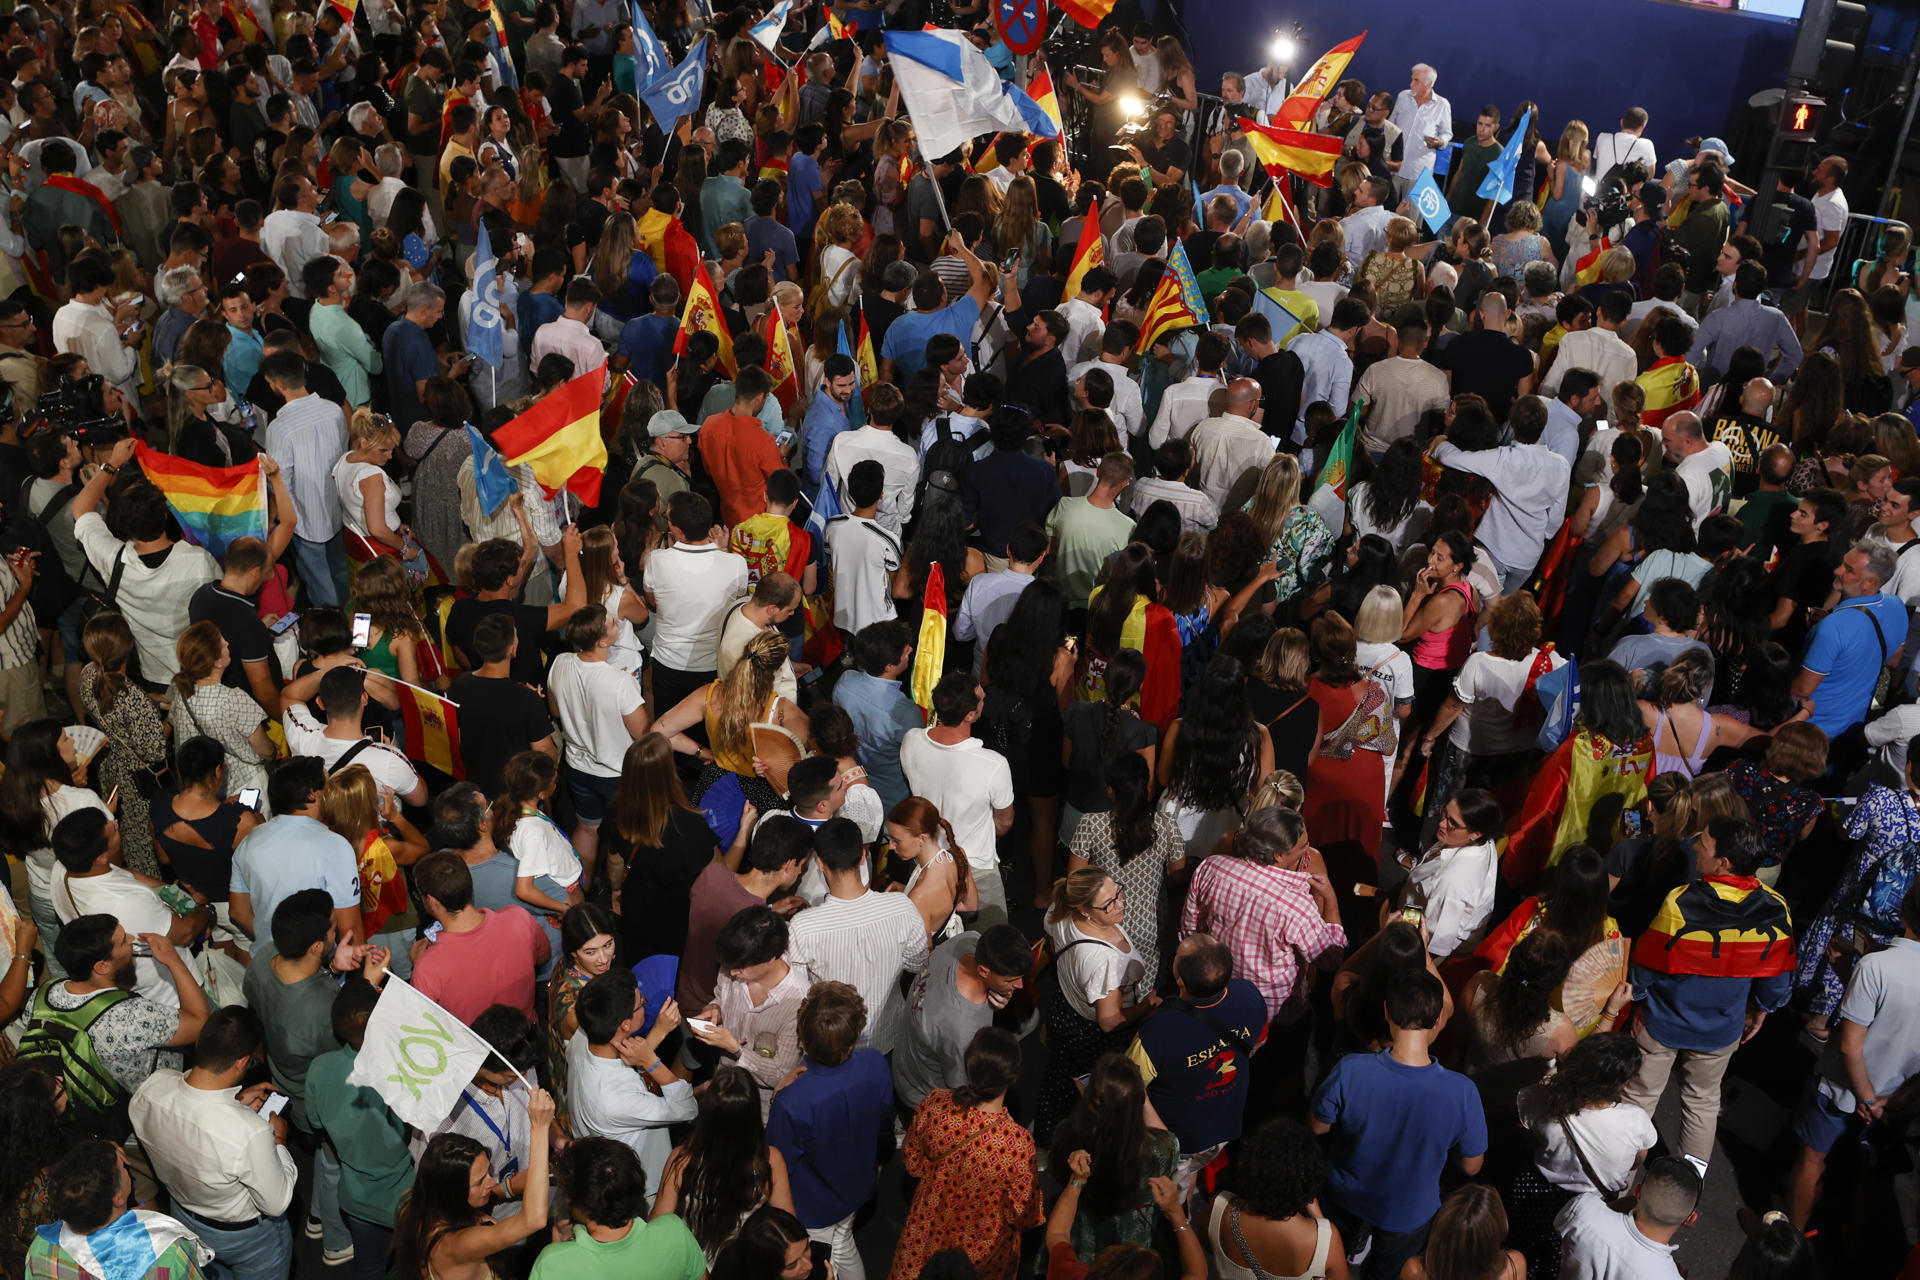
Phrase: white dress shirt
x=87 y=328
x=1455 y=888
x=1128 y=411
x=1224 y=448
x=307 y=438
x=692 y=588
x=606 y=1099
x=900 y=461
x=293 y=239
x=213 y=1152
x=1183 y=406
x=1596 y=349
x=571 y=339
x=1529 y=497
x=1365 y=231
x=1419 y=121
x=1084 y=325
x=1329 y=375
x=1198 y=512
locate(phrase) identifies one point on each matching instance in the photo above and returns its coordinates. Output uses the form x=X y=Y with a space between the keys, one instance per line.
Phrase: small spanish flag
x=433 y=729
x=1280 y=209
x=243 y=21
x=1088 y=13
x=346 y=8
x=930 y=655
x=559 y=437
x=616 y=408
x=702 y=311
x=1587 y=269
x=841 y=28
x=1310 y=155
x=1091 y=253
x=780 y=363
x=1040 y=89
x=863 y=355
x=1297 y=111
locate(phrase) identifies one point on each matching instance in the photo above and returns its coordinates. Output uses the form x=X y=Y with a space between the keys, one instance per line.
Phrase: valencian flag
x=1297 y=111
x=433 y=727
x=702 y=311
x=842 y=28
x=1721 y=927
x=1284 y=151
x=497 y=46
x=1671 y=386
x=559 y=437
x=780 y=363
x=1583 y=771
x=1040 y=89
x=1176 y=301
x=930 y=655
x=1091 y=253
x=214 y=505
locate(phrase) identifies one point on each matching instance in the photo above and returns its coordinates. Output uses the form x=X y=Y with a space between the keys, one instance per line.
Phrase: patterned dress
x=1304 y=544
x=1140 y=879
x=976 y=1188
x=1885 y=821
x=562 y=990
x=229 y=717
x=1781 y=808
x=135 y=740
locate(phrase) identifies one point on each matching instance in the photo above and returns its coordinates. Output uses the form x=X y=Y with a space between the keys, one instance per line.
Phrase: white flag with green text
x=417 y=1056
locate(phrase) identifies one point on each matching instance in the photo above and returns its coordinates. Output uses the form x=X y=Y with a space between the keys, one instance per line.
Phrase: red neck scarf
x=80 y=187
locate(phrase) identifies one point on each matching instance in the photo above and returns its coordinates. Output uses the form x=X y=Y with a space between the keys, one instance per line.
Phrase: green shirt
x=299 y=1021
x=659 y=1250
x=1084 y=536
x=376 y=1169
x=1467 y=175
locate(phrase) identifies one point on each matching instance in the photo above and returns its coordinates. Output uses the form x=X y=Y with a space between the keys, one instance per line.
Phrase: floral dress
x=136 y=740
x=1304 y=544
x=1886 y=822
x=1781 y=808
x=976 y=1188
x=562 y=990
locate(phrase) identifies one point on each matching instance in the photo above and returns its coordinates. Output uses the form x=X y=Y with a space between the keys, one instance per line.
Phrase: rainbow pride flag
x=215 y=505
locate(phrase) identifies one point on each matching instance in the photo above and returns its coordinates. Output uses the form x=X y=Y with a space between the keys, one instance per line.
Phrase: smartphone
x=1412 y=915
x=281 y=623
x=376 y=733
x=250 y=798
x=362 y=629
x=433 y=931
x=812 y=675
x=273 y=1106
x=1011 y=261
x=1634 y=822
x=701 y=1024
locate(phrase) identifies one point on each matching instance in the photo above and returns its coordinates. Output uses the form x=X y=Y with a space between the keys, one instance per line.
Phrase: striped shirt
x=20 y=642
x=307 y=438
x=769 y=1033
x=866 y=942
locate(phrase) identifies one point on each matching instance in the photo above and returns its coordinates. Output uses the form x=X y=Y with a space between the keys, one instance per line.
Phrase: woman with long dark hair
x=1359 y=991
x=939 y=537
x=1346 y=780
x=1096 y=732
x=587 y=946
x=1370 y=562
x=1136 y=844
x=1573 y=903
x=1027 y=680
x=1109 y=1123
x=1270 y=1224
x=1734 y=626
x=770 y=1245
x=136 y=744
x=1124 y=612
x=1513 y=1027
x=724 y=1170
x=44 y=781
x=1440 y=622
x=33 y=1134
x=1214 y=755
x=666 y=844
x=442 y=1231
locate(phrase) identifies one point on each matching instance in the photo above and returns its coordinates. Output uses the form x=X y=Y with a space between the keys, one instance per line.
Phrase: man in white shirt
x=1365 y=229
x=1599 y=1244
x=1599 y=348
x=690 y=586
x=88 y=881
x=392 y=161
x=1172 y=463
x=899 y=461
x=606 y=1060
x=775 y=599
x=1266 y=89
x=1083 y=313
x=1326 y=361
x=1183 y=406
x=1628 y=146
x=1705 y=465
x=601 y=713
x=971 y=785
x=1145 y=58
x=225 y=1165
x=1830 y=210
x=990 y=597
x=858 y=935
x=568 y=334
x=340 y=741
x=1230 y=443
x=862 y=553
x=1128 y=411
x=89 y=326
x=292 y=234
x=1426 y=125
x=1529 y=499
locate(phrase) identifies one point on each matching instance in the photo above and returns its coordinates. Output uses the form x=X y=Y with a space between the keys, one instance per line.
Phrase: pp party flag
x=1297 y=111
x=1671 y=385
x=930 y=653
x=650 y=57
x=486 y=331
x=559 y=437
x=856 y=409
x=1176 y=302
x=1330 y=490
x=1497 y=186
x=766 y=32
x=433 y=729
x=1426 y=197
x=676 y=93
x=1040 y=90
x=1285 y=324
x=780 y=363
x=1088 y=13
x=214 y=505
x=1091 y=253
x=497 y=46
x=493 y=484
x=702 y=311
x=417 y=1056
x=1309 y=155
x=949 y=89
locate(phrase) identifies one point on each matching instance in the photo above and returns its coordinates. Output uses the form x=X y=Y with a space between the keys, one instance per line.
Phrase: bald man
x=1230 y=442
x=1705 y=465
x=1743 y=428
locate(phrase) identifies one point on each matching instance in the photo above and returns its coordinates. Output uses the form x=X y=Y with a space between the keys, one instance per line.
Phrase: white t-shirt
x=1599 y=1244
x=541 y=850
x=1093 y=968
x=740 y=629
x=1830 y=212
x=1611 y=1138
x=1411 y=525
x=592 y=700
x=306 y=736
x=692 y=586
x=1709 y=479
x=1490 y=687
x=347 y=475
x=863 y=555
x=1397 y=675
x=137 y=908
x=153 y=600
x=966 y=783
x=40 y=863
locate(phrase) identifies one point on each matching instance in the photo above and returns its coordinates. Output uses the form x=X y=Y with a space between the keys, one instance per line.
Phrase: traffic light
x=1800 y=117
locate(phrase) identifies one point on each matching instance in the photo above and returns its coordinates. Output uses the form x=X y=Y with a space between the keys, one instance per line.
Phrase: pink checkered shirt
x=1268 y=919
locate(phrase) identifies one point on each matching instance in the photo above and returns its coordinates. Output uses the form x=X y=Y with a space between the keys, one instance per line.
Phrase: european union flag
x=1426 y=197
x=493 y=484
x=1497 y=186
x=486 y=331
x=676 y=93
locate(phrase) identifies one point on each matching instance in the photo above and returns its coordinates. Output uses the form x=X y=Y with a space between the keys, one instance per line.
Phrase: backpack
x=52 y=589
x=950 y=452
x=62 y=1040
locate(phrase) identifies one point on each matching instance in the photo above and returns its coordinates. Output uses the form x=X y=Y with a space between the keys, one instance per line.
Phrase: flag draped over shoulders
x=1722 y=927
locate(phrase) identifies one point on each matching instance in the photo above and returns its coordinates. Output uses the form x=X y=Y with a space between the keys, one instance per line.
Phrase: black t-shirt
x=499 y=718
x=587 y=225
x=570 y=139
x=653 y=915
x=1780 y=231
x=530 y=620
x=248 y=639
x=880 y=311
x=1292 y=722
x=1488 y=364
x=1805 y=576
x=1168 y=155
x=1746 y=438
x=1055 y=206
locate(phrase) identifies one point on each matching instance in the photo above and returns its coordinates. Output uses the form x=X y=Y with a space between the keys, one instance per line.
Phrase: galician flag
x=766 y=32
x=417 y=1056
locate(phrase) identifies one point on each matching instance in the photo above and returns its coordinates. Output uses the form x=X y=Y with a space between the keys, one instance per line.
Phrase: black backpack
x=52 y=589
x=949 y=451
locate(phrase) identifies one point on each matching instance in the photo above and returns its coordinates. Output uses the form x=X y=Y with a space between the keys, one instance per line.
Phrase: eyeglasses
x=1448 y=820
x=1112 y=902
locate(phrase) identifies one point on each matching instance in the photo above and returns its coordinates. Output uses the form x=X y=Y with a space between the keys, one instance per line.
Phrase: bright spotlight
x=1134 y=106
x=1281 y=52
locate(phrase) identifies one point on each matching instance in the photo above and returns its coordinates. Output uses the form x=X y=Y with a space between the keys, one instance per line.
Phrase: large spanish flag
x=930 y=656
x=559 y=437
x=214 y=505
x=671 y=246
x=1280 y=209
x=781 y=366
x=1297 y=111
x=244 y=22
x=1310 y=155
x=1671 y=385
x=702 y=311
x=433 y=729
x=1091 y=253
x=1040 y=89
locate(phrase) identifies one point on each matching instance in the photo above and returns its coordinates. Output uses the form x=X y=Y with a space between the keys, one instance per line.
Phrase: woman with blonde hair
x=204 y=705
x=136 y=737
x=1847 y=336
x=397 y=643
x=1176 y=77
x=607 y=585
x=1299 y=539
x=1280 y=789
x=840 y=228
x=730 y=707
x=1096 y=1005
x=1571 y=161
x=1397 y=279
x=665 y=843
x=1277 y=692
x=942 y=885
x=370 y=498
x=1019 y=229
x=354 y=807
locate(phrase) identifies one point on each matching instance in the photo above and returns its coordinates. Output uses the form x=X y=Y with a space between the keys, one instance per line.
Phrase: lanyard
x=512 y=1165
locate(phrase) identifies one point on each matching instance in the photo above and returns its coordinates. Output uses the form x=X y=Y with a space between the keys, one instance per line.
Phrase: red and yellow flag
x=842 y=28
x=1671 y=386
x=702 y=311
x=243 y=21
x=1297 y=111
x=1280 y=209
x=1040 y=89
x=346 y=8
x=617 y=393
x=559 y=437
x=863 y=355
x=1310 y=155
x=1587 y=269
x=671 y=246
x=780 y=363
x=433 y=729
x=1091 y=253
x=1088 y=13
x=1173 y=304
x=930 y=657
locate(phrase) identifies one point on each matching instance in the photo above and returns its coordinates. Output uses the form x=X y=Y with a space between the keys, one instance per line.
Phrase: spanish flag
x=1587 y=269
x=1310 y=155
x=780 y=362
x=701 y=310
x=1297 y=111
x=617 y=393
x=1088 y=13
x=215 y=506
x=930 y=657
x=243 y=21
x=1671 y=386
x=559 y=437
x=433 y=728
x=1091 y=253
x=1571 y=800
x=1040 y=89
x=346 y=8
x=863 y=355
x=1176 y=302
x=1280 y=209
x=671 y=246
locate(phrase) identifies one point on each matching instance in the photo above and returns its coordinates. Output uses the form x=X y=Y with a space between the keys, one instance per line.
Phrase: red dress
x=1346 y=799
x=976 y=1192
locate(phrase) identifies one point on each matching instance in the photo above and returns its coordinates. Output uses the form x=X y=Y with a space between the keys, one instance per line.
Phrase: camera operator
x=1165 y=153
x=90 y=325
x=1109 y=114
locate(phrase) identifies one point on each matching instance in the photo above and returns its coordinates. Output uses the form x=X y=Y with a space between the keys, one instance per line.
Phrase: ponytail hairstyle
x=527 y=777
x=198 y=653
x=1075 y=892
x=992 y=1064
x=108 y=641
x=920 y=817
x=1130 y=783
x=1126 y=673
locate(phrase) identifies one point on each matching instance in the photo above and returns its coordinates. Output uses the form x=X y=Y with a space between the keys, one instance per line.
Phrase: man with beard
x=1039 y=380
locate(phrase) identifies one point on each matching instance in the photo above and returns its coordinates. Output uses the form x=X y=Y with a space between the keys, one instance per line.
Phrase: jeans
x=1387 y=1251
x=846 y=1254
x=49 y=925
x=323 y=568
x=263 y=1251
x=1512 y=580
x=325 y=1203
x=371 y=1241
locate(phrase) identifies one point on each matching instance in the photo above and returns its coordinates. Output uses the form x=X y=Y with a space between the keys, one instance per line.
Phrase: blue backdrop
x=1579 y=59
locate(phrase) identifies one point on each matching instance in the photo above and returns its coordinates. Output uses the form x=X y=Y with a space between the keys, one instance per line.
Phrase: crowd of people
x=1279 y=793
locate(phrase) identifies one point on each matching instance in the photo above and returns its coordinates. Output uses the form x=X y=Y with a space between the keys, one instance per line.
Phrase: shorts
x=1796 y=298
x=1818 y=1123
x=70 y=624
x=592 y=796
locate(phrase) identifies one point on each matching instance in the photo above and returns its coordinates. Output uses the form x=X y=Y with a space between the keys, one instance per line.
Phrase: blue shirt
x=767 y=233
x=532 y=310
x=1003 y=489
x=288 y=854
x=1562 y=432
x=647 y=343
x=723 y=199
x=1746 y=322
x=168 y=331
x=906 y=341
x=243 y=359
x=881 y=713
x=1002 y=59
x=826 y=418
x=803 y=179
x=1394 y=1129
x=1848 y=654
x=1702 y=1012
x=410 y=360
x=1241 y=200
x=826 y=1125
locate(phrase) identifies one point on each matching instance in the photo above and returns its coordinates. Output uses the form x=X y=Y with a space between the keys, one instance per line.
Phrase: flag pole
x=436 y=1004
x=939 y=198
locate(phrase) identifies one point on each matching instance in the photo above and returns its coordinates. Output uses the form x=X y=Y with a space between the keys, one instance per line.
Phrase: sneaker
x=336 y=1257
x=313 y=1228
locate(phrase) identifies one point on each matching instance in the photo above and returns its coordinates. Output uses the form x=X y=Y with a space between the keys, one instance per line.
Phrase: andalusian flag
x=863 y=355
x=1671 y=386
x=1176 y=301
x=930 y=658
x=1283 y=151
x=559 y=437
x=701 y=310
x=1091 y=253
x=1297 y=111
x=433 y=725
x=243 y=21
x=1330 y=490
x=781 y=366
x=214 y=505
x=1040 y=89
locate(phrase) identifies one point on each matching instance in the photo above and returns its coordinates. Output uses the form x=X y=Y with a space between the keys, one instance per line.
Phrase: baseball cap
x=670 y=422
x=1715 y=144
x=1653 y=197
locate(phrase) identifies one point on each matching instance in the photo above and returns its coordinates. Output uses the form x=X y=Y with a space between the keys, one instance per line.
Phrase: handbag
x=1620 y=1201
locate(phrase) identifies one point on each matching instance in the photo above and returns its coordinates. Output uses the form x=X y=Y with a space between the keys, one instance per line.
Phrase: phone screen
x=362 y=629
x=250 y=798
x=281 y=623
x=376 y=733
